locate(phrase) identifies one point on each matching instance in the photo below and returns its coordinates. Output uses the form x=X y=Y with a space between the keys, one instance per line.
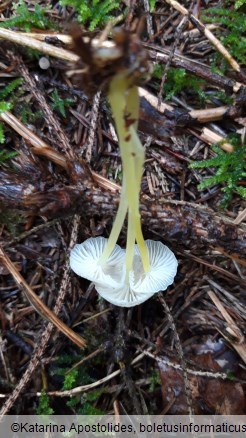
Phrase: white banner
x=142 y=426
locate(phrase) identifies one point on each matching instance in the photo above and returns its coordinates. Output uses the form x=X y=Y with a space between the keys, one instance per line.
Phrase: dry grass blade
x=67 y=39
x=39 y=306
x=25 y=234
x=190 y=371
x=202 y=116
x=39 y=146
x=93 y=126
x=232 y=256
x=209 y=114
x=35 y=41
x=214 y=267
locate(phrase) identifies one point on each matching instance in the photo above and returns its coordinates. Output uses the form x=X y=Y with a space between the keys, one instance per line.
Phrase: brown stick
x=212 y=138
x=162 y=53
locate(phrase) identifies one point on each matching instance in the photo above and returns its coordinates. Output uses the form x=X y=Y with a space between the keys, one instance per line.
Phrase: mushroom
x=126 y=278
x=111 y=279
x=85 y=262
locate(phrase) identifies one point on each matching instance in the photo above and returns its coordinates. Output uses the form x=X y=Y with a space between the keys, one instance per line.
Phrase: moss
x=60 y=104
x=240 y=3
x=230 y=170
x=26 y=113
x=73 y=377
x=11 y=219
x=179 y=80
x=93 y=13
x=155 y=380
x=44 y=405
x=231 y=30
x=26 y=20
x=85 y=404
x=152 y=5
x=12 y=91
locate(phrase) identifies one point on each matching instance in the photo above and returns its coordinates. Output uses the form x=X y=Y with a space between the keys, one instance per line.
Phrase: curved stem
x=131 y=236
x=117 y=225
x=132 y=107
x=124 y=100
x=139 y=159
x=118 y=91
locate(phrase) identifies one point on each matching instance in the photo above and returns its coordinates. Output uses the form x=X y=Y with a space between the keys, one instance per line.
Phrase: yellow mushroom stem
x=124 y=101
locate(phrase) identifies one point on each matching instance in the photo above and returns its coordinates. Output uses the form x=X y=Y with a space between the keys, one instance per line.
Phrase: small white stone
x=44 y=63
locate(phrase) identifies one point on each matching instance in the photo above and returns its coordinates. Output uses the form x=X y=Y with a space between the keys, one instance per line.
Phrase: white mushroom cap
x=163 y=268
x=123 y=296
x=110 y=278
x=84 y=261
x=142 y=286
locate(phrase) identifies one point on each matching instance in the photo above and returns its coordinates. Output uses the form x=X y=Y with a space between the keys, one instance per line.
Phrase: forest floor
x=183 y=350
